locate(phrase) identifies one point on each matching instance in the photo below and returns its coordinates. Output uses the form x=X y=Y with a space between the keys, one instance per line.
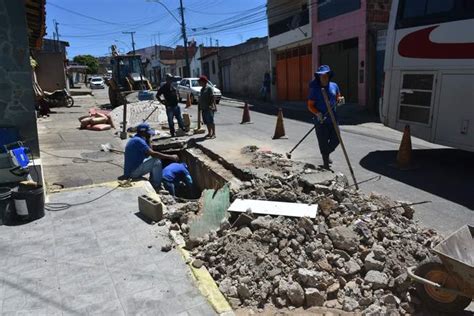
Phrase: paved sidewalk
x=62 y=144
x=94 y=259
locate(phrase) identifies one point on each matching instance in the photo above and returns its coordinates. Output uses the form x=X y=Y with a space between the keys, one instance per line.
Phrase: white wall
x=290 y=37
x=195 y=63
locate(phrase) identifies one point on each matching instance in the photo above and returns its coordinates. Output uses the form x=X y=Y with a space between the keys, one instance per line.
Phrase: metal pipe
x=338 y=133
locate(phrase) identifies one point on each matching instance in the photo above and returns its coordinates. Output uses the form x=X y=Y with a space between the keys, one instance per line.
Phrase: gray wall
x=16 y=89
x=246 y=64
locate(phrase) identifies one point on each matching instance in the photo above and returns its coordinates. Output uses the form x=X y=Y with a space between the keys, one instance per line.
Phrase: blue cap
x=324 y=69
x=145 y=127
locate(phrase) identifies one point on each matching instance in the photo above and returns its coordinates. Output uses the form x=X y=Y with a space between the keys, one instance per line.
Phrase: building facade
x=290 y=47
x=20 y=33
x=210 y=67
x=348 y=35
x=236 y=76
x=51 y=70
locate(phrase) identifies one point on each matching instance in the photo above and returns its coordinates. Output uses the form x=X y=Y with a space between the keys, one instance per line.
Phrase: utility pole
x=133 y=40
x=57 y=34
x=185 y=39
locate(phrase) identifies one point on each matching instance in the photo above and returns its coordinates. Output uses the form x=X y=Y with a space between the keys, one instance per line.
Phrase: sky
x=92 y=26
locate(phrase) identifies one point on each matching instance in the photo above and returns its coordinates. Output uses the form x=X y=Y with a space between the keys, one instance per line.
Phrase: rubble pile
x=352 y=256
x=138 y=111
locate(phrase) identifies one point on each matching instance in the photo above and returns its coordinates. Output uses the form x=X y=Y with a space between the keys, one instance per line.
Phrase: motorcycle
x=58 y=98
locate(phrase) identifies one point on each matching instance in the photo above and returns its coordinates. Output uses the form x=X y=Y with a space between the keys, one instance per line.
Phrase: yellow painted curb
x=112 y=184
x=207 y=286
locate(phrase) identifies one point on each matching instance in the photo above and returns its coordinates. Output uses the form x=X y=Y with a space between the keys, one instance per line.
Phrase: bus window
x=424 y=12
x=439 y=6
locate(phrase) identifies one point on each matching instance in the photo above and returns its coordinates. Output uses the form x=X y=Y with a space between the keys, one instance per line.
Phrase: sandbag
x=99 y=127
x=85 y=122
x=99 y=120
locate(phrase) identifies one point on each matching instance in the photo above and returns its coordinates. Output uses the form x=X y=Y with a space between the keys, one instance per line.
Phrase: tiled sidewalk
x=95 y=259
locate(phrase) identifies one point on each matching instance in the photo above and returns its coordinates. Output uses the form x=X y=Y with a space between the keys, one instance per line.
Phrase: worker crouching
x=325 y=130
x=176 y=175
x=141 y=159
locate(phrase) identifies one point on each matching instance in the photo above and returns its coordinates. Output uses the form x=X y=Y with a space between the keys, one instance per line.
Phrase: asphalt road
x=444 y=175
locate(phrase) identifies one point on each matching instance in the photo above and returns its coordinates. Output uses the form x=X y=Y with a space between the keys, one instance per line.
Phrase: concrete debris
x=166 y=248
x=352 y=256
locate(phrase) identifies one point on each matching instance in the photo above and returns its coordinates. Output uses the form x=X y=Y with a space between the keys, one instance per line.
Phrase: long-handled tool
x=338 y=133
x=288 y=155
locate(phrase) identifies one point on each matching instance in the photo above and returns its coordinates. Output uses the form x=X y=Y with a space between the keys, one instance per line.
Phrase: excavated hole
x=206 y=172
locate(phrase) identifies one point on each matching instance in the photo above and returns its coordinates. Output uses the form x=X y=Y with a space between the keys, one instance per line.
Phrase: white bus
x=429 y=71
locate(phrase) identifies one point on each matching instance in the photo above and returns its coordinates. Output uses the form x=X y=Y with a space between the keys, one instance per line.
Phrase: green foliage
x=88 y=60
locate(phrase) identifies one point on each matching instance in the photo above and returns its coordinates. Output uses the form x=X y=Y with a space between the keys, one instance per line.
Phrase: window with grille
x=416 y=97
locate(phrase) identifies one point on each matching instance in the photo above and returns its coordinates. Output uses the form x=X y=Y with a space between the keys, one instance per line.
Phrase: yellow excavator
x=127 y=76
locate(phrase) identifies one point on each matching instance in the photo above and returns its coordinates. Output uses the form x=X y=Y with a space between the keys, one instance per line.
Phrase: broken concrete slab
x=274 y=208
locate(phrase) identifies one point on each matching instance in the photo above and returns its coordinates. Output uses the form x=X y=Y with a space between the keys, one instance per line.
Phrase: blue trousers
x=327 y=137
x=151 y=166
x=172 y=112
x=169 y=186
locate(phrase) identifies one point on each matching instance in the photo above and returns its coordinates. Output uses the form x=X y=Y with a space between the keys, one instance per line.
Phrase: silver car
x=191 y=86
x=97 y=83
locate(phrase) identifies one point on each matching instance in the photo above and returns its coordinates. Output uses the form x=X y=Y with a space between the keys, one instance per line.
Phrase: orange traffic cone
x=280 y=127
x=246 y=114
x=404 y=152
x=188 y=101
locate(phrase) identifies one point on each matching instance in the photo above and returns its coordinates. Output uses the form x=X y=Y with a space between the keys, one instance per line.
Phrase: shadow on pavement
x=349 y=114
x=446 y=173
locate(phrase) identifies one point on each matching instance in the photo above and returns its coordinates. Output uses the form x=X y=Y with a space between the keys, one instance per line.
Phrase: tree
x=88 y=60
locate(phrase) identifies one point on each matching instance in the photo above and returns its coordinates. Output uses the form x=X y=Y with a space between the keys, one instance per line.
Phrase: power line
x=81 y=14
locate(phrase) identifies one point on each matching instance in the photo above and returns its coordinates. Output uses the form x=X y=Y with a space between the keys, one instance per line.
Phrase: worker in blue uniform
x=325 y=130
x=140 y=159
x=177 y=175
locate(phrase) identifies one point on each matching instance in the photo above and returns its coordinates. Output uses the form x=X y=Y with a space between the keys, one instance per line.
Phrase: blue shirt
x=135 y=152
x=316 y=95
x=176 y=172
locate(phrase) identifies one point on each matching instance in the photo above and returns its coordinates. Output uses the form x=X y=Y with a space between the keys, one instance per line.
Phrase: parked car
x=191 y=86
x=97 y=83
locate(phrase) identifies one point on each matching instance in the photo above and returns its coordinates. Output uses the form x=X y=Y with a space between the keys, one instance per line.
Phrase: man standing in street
x=325 y=130
x=171 y=102
x=140 y=159
x=175 y=175
x=207 y=106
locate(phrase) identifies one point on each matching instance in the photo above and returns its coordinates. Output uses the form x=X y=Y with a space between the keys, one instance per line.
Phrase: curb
x=205 y=283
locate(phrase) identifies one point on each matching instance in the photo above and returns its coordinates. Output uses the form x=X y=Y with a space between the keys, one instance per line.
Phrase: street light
x=166 y=8
x=183 y=31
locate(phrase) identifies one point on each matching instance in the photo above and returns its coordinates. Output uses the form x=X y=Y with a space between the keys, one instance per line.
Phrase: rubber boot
x=326 y=162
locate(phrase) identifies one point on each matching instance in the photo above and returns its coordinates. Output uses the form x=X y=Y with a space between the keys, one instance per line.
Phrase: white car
x=97 y=83
x=191 y=86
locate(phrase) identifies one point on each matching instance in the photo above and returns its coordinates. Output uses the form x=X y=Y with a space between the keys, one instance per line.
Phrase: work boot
x=326 y=162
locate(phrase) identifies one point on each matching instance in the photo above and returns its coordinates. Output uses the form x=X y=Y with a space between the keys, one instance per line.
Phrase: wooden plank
x=274 y=208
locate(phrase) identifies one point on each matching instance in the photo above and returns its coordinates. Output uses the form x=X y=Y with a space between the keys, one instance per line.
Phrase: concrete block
x=150 y=207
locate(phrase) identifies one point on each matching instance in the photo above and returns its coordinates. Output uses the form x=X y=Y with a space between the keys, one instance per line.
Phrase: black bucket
x=6 y=206
x=29 y=202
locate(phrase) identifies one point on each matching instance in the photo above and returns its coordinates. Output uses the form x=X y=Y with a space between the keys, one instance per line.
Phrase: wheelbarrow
x=447 y=285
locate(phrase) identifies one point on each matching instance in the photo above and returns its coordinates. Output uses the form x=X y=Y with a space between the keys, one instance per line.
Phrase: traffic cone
x=246 y=114
x=404 y=152
x=280 y=127
x=188 y=101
